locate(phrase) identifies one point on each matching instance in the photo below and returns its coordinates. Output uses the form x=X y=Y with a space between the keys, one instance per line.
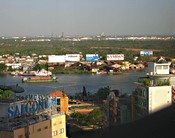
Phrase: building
x=111 y=110
x=34 y=117
x=155 y=91
x=158 y=68
x=149 y=99
x=62 y=100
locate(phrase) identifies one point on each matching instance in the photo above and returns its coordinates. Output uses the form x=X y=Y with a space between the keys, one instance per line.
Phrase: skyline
x=82 y=17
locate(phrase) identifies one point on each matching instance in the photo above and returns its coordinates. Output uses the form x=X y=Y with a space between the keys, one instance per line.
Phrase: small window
x=54 y=133
x=39 y=129
x=20 y=136
x=165 y=67
x=61 y=131
x=46 y=127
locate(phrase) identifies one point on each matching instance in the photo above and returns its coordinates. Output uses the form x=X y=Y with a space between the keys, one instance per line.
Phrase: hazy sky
x=87 y=17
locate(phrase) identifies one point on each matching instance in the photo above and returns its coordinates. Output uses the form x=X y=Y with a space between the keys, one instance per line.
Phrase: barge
x=40 y=79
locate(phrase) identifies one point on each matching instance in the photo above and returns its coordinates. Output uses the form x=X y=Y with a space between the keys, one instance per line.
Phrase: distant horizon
x=87 y=17
x=58 y=36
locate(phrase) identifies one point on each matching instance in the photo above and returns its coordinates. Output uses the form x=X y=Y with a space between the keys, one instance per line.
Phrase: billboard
x=56 y=58
x=115 y=57
x=146 y=52
x=72 y=57
x=91 y=57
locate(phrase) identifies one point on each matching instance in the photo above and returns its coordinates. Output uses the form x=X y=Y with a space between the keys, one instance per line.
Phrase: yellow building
x=53 y=127
x=58 y=125
x=64 y=104
x=37 y=118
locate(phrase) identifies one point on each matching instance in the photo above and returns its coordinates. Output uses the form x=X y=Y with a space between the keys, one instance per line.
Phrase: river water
x=73 y=83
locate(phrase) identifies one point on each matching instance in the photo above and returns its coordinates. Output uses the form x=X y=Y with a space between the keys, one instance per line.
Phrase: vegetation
x=2 y=67
x=5 y=94
x=147 y=82
x=129 y=48
x=93 y=118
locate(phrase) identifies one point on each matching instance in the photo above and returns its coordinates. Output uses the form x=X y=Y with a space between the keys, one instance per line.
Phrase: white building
x=149 y=99
x=158 y=68
x=153 y=92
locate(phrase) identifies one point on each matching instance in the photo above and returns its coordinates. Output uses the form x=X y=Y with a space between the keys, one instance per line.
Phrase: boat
x=43 y=72
x=52 y=78
x=21 y=73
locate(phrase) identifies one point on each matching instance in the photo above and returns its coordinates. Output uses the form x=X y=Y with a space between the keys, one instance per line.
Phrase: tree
x=103 y=93
x=84 y=92
x=5 y=94
x=2 y=67
x=94 y=117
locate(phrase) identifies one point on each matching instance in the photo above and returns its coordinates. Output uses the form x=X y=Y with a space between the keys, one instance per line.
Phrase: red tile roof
x=56 y=94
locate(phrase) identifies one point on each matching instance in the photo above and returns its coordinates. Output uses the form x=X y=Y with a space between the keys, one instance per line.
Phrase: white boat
x=43 y=72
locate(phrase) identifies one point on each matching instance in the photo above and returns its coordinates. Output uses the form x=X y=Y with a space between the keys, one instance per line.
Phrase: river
x=73 y=83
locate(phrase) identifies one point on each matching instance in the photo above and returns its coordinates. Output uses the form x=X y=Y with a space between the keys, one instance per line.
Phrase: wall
x=159 y=97
x=58 y=124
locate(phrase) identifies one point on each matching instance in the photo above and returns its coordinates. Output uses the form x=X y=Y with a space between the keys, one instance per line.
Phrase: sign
x=146 y=52
x=56 y=58
x=31 y=105
x=115 y=57
x=91 y=57
x=72 y=57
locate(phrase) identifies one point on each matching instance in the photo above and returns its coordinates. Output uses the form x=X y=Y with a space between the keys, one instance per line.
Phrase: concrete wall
x=58 y=124
x=159 y=97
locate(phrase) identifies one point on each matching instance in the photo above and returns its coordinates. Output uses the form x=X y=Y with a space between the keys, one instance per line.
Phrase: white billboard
x=115 y=57
x=56 y=58
x=72 y=57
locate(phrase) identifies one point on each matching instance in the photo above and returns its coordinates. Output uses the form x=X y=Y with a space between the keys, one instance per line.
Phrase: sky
x=86 y=17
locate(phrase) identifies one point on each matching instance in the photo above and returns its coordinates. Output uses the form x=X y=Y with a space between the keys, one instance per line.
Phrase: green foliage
x=167 y=82
x=57 y=47
x=103 y=92
x=147 y=82
x=159 y=83
x=41 y=66
x=2 y=67
x=5 y=94
x=94 y=117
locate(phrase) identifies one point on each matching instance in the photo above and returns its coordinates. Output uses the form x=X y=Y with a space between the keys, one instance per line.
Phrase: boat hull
x=28 y=81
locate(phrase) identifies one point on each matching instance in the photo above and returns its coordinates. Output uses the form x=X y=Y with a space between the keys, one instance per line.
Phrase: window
x=46 y=127
x=61 y=131
x=165 y=67
x=20 y=136
x=39 y=129
x=159 y=67
x=54 y=133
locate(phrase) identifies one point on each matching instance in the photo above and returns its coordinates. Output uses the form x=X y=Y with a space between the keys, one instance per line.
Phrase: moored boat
x=40 y=79
x=43 y=72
